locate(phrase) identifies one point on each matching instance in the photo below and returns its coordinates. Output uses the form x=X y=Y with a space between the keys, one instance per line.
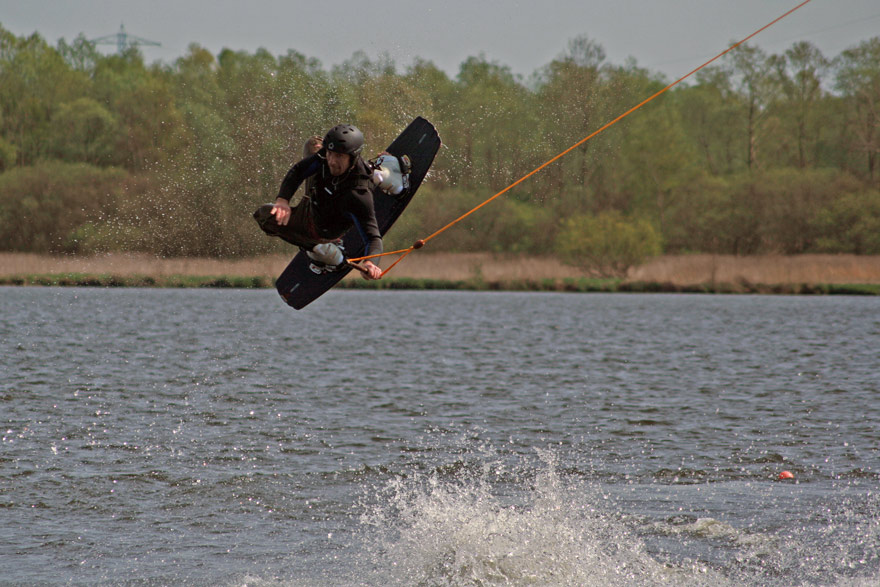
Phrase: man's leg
x=299 y=230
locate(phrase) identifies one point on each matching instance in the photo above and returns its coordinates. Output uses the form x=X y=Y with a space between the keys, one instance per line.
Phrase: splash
x=491 y=517
x=487 y=525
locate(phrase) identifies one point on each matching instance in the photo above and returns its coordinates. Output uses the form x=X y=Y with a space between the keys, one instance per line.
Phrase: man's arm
x=364 y=216
x=292 y=180
x=297 y=174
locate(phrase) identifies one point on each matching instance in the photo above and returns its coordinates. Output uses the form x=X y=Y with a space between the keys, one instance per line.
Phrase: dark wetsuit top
x=338 y=203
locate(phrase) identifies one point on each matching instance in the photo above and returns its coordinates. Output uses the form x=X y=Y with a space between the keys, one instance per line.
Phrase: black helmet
x=344 y=138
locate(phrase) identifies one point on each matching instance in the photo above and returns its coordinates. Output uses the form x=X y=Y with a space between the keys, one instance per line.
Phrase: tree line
x=761 y=153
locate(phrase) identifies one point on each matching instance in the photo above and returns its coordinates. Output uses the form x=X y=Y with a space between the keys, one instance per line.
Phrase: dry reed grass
x=681 y=270
x=136 y=264
x=418 y=265
x=686 y=270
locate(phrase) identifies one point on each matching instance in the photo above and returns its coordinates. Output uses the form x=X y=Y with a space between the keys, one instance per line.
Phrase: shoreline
x=727 y=274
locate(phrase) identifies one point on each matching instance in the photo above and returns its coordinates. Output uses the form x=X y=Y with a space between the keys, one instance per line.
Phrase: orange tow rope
x=420 y=243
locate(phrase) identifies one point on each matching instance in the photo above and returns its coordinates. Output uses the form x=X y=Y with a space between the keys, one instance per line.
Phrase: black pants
x=300 y=229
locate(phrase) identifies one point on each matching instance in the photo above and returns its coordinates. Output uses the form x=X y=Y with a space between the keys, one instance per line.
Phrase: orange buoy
x=785 y=475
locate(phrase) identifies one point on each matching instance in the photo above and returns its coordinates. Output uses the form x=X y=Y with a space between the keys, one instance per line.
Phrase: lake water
x=217 y=437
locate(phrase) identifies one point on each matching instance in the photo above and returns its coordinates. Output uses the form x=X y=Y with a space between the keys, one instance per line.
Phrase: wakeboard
x=298 y=285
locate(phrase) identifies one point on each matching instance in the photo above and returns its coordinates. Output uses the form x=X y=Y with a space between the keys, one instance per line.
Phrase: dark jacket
x=338 y=203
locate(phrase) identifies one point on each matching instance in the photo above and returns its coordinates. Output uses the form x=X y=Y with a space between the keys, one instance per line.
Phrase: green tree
x=490 y=142
x=83 y=130
x=655 y=159
x=750 y=69
x=439 y=92
x=513 y=226
x=608 y=243
x=8 y=151
x=142 y=101
x=710 y=117
x=754 y=156
x=858 y=79
x=571 y=105
x=34 y=81
x=699 y=218
x=787 y=201
x=81 y=55
x=850 y=224
x=800 y=73
x=42 y=206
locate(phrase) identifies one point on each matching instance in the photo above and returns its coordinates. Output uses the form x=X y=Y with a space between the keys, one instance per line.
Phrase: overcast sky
x=667 y=36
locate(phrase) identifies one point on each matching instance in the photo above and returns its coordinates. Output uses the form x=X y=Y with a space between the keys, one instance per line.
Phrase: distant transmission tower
x=123 y=40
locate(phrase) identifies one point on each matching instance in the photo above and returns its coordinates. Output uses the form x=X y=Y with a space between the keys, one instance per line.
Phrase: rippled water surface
x=217 y=437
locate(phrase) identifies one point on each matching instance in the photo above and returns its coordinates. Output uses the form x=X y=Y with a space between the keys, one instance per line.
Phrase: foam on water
x=490 y=518
x=488 y=525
